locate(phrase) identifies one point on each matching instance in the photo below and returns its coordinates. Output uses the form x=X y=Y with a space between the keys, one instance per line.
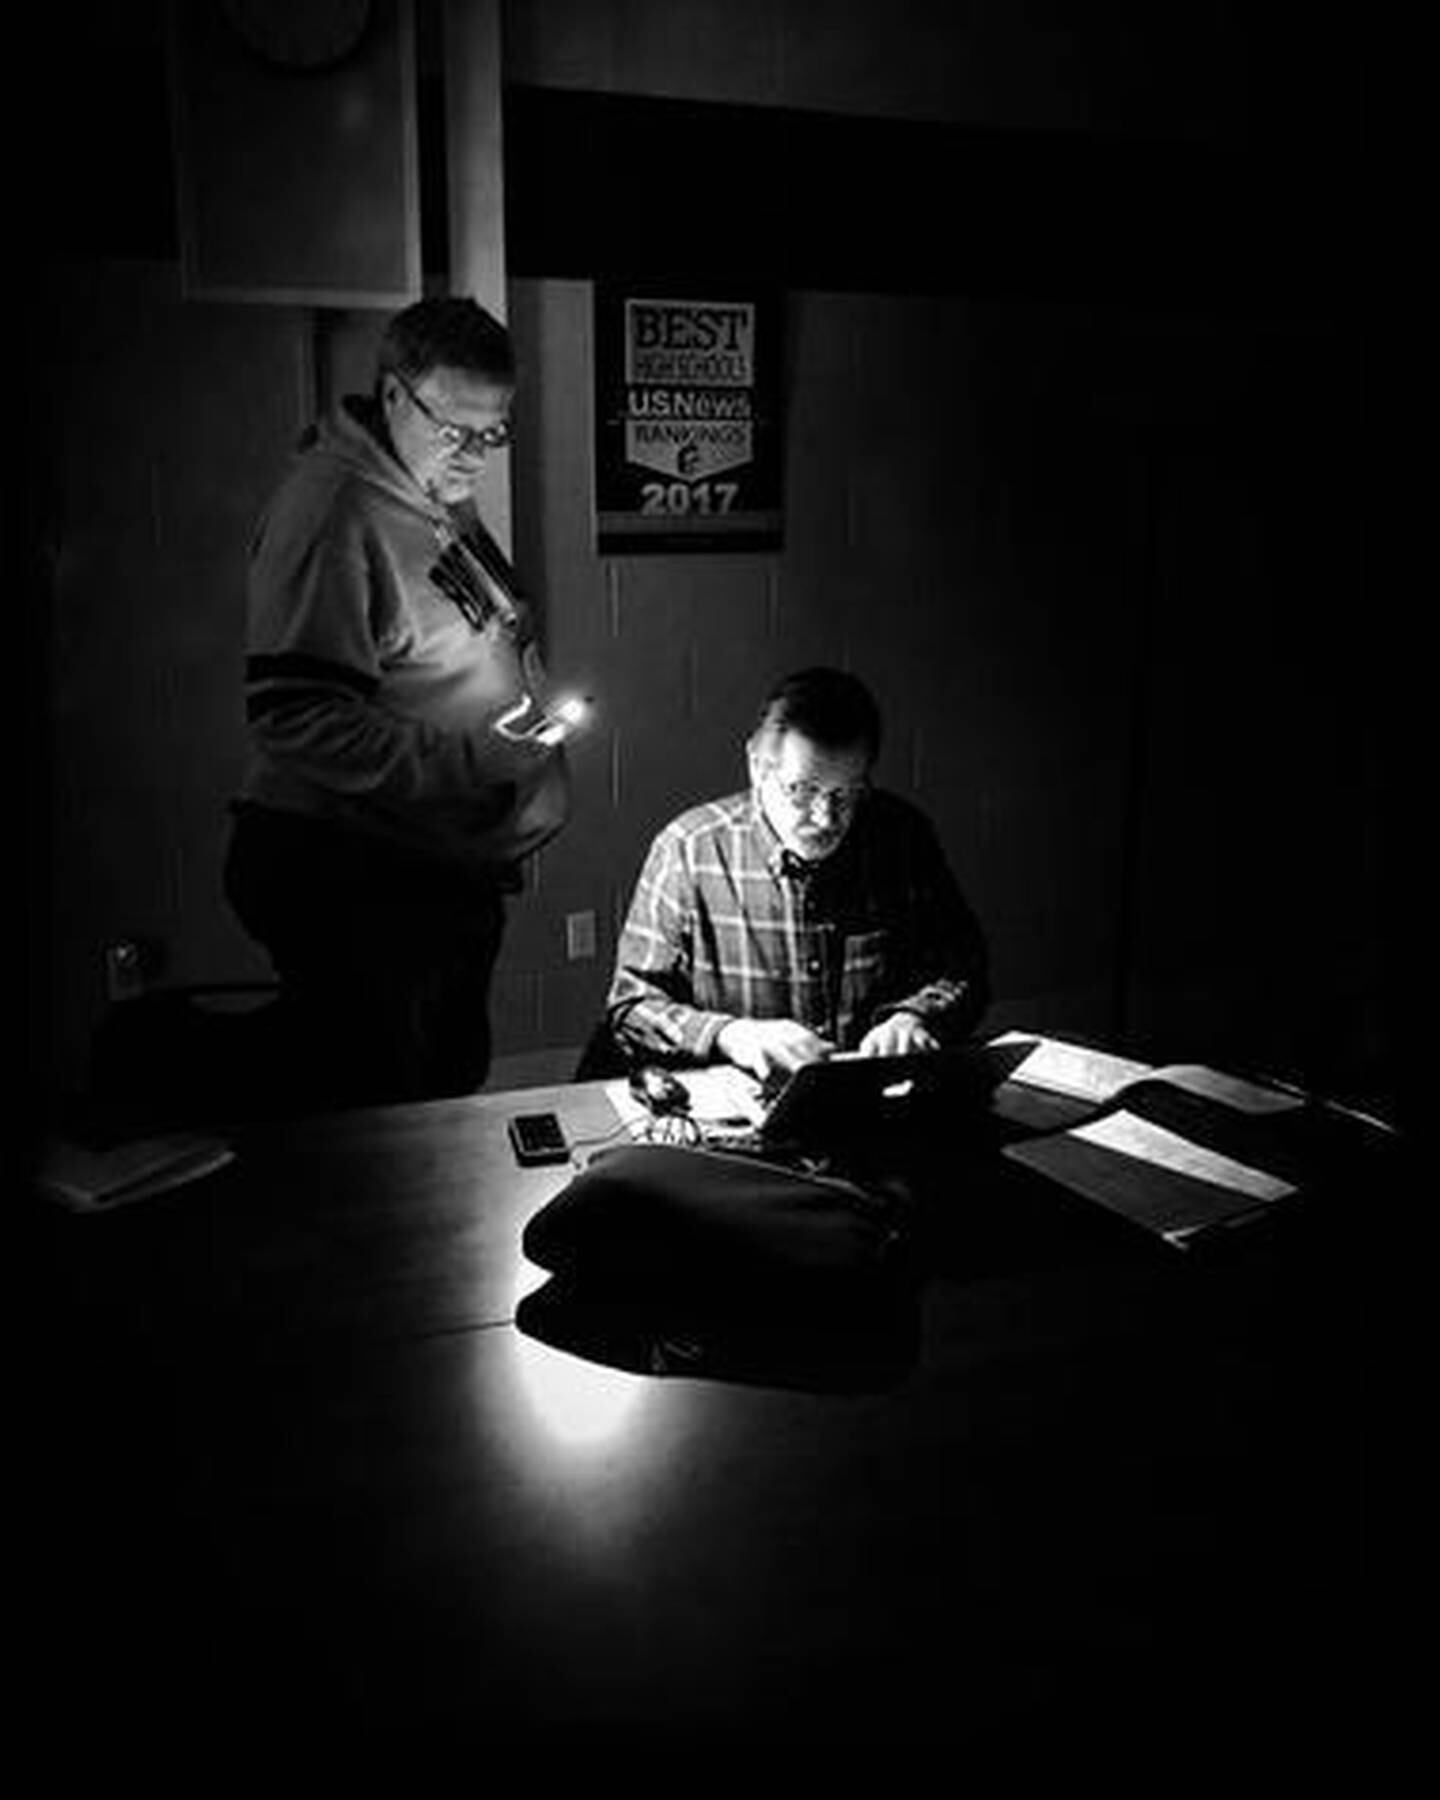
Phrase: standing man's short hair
x=834 y=710
x=453 y=332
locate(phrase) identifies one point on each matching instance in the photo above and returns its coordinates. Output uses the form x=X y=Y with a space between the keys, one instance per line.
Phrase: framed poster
x=296 y=151
x=687 y=417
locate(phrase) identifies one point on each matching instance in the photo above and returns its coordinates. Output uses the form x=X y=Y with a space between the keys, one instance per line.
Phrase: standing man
x=401 y=764
x=809 y=914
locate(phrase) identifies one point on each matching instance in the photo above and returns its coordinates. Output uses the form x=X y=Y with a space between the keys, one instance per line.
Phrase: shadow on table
x=850 y=1345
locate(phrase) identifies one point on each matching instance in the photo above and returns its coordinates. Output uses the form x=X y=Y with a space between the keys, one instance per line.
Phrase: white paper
x=1071 y=1069
x=1136 y=1137
x=629 y=1109
x=723 y=1092
x=1099 y=1076
x=718 y=1093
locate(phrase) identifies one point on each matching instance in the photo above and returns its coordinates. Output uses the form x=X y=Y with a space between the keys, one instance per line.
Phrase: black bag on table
x=677 y=1260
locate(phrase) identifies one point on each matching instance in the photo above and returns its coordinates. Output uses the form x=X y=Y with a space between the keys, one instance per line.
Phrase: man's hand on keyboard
x=901 y=1034
x=769 y=1047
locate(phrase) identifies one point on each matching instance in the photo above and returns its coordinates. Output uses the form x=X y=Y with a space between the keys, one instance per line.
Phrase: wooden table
x=304 y=1475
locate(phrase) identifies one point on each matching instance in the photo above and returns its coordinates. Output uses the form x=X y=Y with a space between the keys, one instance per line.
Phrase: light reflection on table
x=581 y=1405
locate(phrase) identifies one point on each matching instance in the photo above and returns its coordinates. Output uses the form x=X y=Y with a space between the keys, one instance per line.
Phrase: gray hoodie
x=371 y=698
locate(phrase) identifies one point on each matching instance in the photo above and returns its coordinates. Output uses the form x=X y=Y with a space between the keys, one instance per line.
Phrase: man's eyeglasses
x=457 y=436
x=805 y=796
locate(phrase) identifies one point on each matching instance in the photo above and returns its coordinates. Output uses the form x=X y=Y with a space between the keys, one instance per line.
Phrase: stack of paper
x=1178 y=1149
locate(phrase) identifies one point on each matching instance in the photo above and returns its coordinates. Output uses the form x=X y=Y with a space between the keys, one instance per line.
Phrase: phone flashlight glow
x=572 y=710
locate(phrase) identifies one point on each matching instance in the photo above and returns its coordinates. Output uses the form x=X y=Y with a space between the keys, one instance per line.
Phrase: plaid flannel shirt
x=726 y=924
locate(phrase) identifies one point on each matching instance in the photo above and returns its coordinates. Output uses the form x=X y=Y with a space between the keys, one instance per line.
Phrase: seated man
x=807 y=915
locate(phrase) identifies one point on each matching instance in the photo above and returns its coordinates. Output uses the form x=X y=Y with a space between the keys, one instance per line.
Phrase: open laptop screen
x=851 y=1099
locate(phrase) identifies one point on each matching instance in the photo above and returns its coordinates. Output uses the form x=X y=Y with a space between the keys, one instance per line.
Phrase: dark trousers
x=384 y=960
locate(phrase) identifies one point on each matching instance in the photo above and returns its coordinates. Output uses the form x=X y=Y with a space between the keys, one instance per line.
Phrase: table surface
x=306 y=1474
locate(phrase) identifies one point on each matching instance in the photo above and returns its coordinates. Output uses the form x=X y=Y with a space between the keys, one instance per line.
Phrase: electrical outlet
x=579 y=936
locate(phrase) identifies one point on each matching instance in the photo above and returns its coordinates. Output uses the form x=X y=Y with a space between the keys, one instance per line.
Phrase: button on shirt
x=725 y=923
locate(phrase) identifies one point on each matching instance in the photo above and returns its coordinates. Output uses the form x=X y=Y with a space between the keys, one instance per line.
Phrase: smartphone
x=554 y=726
x=566 y=717
x=538 y=1138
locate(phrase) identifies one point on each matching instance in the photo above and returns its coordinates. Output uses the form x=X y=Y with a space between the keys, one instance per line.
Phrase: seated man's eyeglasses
x=457 y=436
x=806 y=796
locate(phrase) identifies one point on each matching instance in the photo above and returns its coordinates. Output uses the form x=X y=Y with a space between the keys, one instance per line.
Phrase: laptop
x=851 y=1103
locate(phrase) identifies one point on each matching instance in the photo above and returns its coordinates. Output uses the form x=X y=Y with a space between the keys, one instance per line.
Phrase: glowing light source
x=551 y=727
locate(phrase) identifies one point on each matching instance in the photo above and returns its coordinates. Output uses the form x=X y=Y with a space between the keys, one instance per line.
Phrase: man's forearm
x=654 y=1025
x=950 y=1006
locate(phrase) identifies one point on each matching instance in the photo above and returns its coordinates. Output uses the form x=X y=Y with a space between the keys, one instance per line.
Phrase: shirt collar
x=768 y=847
